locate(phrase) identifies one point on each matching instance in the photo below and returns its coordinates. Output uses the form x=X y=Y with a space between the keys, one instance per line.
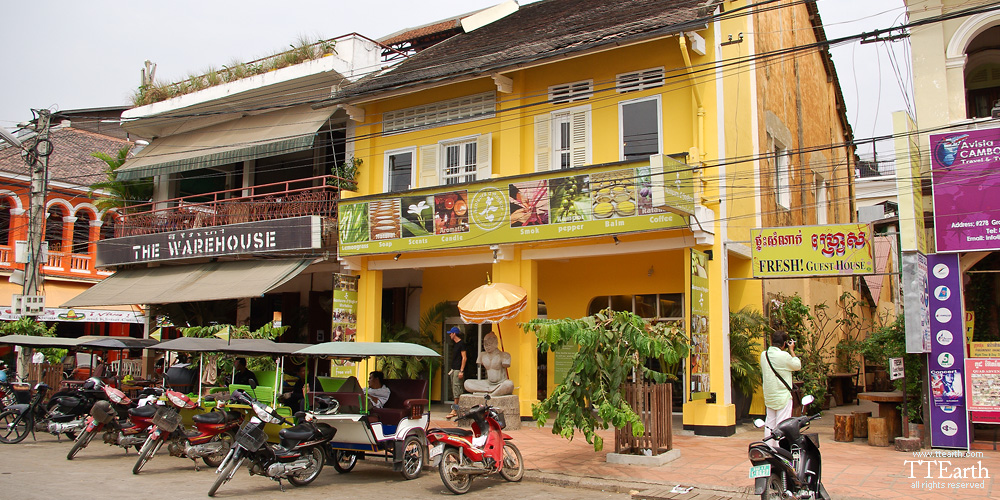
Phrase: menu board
x=700 y=353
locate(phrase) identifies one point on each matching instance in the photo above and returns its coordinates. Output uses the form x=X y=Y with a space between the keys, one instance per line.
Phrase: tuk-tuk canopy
x=361 y=350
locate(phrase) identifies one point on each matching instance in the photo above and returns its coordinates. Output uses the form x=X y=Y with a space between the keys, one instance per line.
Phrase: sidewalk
x=717 y=467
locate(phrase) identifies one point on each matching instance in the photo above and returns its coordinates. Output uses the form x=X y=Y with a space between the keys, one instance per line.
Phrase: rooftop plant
x=305 y=49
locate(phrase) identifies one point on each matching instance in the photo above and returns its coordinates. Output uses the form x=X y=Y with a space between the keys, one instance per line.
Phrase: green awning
x=191 y=283
x=366 y=349
x=248 y=138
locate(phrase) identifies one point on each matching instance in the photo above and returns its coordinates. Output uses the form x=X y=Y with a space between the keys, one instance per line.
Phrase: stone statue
x=496 y=362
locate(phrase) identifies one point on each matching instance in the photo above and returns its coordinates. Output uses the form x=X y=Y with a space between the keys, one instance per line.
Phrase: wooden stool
x=861 y=423
x=907 y=443
x=843 y=428
x=878 y=431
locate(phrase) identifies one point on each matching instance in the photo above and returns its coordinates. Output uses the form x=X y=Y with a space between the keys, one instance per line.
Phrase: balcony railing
x=64 y=264
x=268 y=201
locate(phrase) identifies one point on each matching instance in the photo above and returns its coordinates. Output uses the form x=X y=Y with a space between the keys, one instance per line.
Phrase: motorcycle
x=210 y=442
x=462 y=454
x=104 y=415
x=792 y=470
x=64 y=413
x=299 y=458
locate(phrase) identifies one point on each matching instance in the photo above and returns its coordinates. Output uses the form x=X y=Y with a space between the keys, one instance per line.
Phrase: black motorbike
x=793 y=469
x=63 y=413
x=299 y=458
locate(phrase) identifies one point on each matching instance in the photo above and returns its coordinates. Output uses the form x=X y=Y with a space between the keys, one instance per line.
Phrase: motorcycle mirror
x=758 y=423
x=806 y=401
x=252 y=383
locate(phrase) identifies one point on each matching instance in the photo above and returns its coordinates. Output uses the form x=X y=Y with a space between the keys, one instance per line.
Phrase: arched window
x=81 y=232
x=982 y=73
x=54 y=228
x=5 y=221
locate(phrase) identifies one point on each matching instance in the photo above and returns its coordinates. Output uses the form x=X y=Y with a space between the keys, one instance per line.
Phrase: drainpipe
x=682 y=40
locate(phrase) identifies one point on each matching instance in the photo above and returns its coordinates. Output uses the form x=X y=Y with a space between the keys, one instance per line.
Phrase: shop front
x=578 y=241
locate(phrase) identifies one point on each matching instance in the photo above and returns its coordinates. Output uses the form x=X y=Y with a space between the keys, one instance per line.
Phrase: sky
x=68 y=54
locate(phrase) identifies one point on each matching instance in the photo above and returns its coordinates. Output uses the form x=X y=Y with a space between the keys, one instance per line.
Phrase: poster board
x=982 y=384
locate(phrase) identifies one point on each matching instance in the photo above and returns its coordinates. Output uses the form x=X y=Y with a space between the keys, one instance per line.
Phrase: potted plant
x=431 y=324
x=748 y=329
x=346 y=175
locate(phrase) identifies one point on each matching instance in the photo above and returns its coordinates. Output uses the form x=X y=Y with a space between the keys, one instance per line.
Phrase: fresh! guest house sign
x=586 y=202
x=812 y=250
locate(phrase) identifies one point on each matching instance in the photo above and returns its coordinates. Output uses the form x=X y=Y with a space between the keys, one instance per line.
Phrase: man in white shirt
x=377 y=392
x=777 y=397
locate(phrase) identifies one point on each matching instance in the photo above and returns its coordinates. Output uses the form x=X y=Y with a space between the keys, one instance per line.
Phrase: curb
x=639 y=490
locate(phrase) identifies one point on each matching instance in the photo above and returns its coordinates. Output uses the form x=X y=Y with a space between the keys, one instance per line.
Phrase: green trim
x=251 y=152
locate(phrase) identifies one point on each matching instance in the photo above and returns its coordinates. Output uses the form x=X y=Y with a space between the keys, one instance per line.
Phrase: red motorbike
x=462 y=454
x=105 y=415
x=210 y=442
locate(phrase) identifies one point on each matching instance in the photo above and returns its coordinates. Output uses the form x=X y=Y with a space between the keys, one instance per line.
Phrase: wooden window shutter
x=543 y=141
x=429 y=166
x=580 y=138
x=484 y=153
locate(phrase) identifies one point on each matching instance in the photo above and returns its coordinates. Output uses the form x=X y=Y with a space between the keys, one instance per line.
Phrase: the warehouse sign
x=832 y=250
x=278 y=235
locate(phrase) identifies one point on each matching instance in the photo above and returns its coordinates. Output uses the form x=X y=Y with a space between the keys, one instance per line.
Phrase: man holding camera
x=777 y=367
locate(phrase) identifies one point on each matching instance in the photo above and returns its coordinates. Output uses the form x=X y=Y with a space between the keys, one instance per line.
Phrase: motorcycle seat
x=456 y=431
x=143 y=411
x=214 y=417
x=300 y=432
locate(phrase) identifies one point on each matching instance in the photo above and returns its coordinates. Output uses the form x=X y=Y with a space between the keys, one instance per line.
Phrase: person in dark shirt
x=458 y=359
x=242 y=374
x=292 y=394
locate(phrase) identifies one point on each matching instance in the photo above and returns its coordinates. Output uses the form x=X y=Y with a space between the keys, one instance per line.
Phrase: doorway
x=473 y=337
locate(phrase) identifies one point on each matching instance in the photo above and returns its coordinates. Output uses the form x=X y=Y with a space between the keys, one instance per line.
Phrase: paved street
x=39 y=470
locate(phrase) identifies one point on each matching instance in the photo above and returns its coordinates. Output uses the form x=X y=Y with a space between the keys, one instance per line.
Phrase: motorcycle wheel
x=306 y=476
x=457 y=482
x=774 y=489
x=146 y=453
x=513 y=464
x=223 y=477
x=11 y=430
x=344 y=461
x=227 y=443
x=81 y=443
x=413 y=457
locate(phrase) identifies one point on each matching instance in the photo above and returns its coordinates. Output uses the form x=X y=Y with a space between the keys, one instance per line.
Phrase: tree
x=613 y=348
x=27 y=325
x=747 y=329
x=120 y=194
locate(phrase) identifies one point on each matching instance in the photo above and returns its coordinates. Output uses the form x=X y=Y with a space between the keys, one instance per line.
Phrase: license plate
x=437 y=450
x=760 y=471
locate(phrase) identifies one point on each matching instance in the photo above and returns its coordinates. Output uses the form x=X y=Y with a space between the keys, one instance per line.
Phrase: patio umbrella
x=493 y=303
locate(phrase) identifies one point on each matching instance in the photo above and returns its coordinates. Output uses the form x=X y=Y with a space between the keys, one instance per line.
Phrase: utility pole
x=37 y=158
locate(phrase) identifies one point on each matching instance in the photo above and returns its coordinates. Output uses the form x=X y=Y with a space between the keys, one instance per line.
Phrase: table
x=887 y=402
x=842 y=386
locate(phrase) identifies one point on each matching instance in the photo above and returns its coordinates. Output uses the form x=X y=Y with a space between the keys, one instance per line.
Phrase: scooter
x=64 y=413
x=793 y=469
x=215 y=430
x=299 y=458
x=104 y=415
x=462 y=454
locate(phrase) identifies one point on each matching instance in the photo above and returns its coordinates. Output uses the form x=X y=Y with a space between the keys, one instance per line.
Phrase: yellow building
x=582 y=150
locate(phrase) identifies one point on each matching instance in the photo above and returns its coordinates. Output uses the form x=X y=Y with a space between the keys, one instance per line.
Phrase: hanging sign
x=830 y=250
x=700 y=380
x=344 y=327
x=896 y=368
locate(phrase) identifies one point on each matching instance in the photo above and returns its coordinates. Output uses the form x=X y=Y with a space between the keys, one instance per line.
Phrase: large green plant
x=613 y=347
x=255 y=363
x=889 y=341
x=431 y=326
x=119 y=194
x=747 y=330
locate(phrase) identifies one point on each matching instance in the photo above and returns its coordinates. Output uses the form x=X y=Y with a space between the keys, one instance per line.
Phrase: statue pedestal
x=509 y=406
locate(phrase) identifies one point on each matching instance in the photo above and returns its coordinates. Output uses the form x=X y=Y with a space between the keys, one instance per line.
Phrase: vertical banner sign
x=700 y=386
x=949 y=422
x=965 y=170
x=916 y=303
x=345 y=319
